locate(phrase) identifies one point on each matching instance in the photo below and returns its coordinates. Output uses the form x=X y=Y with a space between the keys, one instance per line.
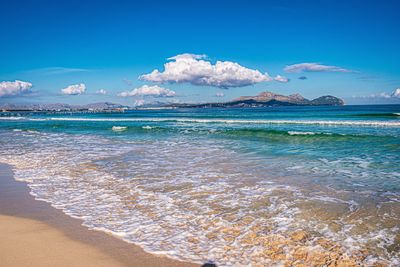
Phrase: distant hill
x=101 y=106
x=264 y=99
x=267 y=99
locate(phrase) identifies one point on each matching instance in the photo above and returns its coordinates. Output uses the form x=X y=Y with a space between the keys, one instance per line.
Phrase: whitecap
x=119 y=128
x=301 y=133
x=232 y=121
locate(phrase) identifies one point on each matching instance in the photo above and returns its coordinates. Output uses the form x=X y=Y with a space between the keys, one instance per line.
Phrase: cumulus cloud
x=219 y=94
x=15 y=88
x=74 y=89
x=281 y=79
x=101 y=92
x=197 y=70
x=313 y=67
x=146 y=90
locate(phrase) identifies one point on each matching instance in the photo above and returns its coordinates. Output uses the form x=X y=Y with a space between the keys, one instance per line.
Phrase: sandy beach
x=35 y=234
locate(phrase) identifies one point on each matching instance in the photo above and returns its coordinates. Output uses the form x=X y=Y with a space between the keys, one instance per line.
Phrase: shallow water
x=268 y=186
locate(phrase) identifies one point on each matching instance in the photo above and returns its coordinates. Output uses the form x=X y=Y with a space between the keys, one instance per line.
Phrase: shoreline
x=32 y=228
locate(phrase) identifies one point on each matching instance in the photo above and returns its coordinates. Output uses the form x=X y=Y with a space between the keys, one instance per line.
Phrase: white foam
x=12 y=118
x=229 y=121
x=119 y=128
x=301 y=133
x=392 y=123
x=142 y=194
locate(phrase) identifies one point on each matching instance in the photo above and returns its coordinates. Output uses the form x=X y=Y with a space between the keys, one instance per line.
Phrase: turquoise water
x=194 y=184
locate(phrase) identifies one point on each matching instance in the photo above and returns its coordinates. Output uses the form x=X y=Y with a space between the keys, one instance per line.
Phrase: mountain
x=264 y=99
x=104 y=106
x=269 y=96
x=267 y=99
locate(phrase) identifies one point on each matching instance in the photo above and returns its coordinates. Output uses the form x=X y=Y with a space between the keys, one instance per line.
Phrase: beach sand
x=35 y=234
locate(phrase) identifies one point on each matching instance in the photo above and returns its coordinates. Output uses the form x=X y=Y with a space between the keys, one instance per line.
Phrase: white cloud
x=15 y=88
x=396 y=93
x=101 y=92
x=139 y=103
x=75 y=89
x=378 y=98
x=313 y=67
x=220 y=94
x=380 y=95
x=281 y=79
x=146 y=90
x=196 y=70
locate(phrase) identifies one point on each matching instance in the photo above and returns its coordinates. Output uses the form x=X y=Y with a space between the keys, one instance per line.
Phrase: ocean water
x=239 y=187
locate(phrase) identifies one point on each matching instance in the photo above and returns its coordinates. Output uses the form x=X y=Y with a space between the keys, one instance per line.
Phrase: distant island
x=61 y=107
x=264 y=99
x=268 y=99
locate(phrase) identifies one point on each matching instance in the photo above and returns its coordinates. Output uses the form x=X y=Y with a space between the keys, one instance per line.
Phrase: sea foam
x=181 y=198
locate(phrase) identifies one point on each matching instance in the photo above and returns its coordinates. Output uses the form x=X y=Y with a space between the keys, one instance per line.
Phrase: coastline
x=36 y=234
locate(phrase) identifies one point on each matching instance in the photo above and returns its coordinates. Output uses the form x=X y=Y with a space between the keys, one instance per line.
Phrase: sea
x=268 y=186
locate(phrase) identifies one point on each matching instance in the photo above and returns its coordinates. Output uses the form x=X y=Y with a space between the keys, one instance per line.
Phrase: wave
x=373 y=123
x=304 y=133
x=12 y=118
x=382 y=115
x=235 y=121
x=119 y=128
x=239 y=132
x=25 y=130
x=272 y=134
x=281 y=135
x=154 y=215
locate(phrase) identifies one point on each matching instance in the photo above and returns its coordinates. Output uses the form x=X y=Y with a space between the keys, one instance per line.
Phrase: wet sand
x=36 y=234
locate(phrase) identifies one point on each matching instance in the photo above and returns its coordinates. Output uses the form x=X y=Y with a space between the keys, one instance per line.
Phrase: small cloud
x=313 y=67
x=196 y=70
x=378 y=98
x=146 y=90
x=367 y=78
x=380 y=95
x=75 y=89
x=16 y=88
x=101 y=92
x=187 y=56
x=55 y=71
x=219 y=94
x=302 y=78
x=281 y=79
x=396 y=93
x=139 y=102
x=393 y=95
x=127 y=81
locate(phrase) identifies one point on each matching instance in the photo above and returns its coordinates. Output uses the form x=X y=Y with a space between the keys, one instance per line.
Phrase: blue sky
x=108 y=45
